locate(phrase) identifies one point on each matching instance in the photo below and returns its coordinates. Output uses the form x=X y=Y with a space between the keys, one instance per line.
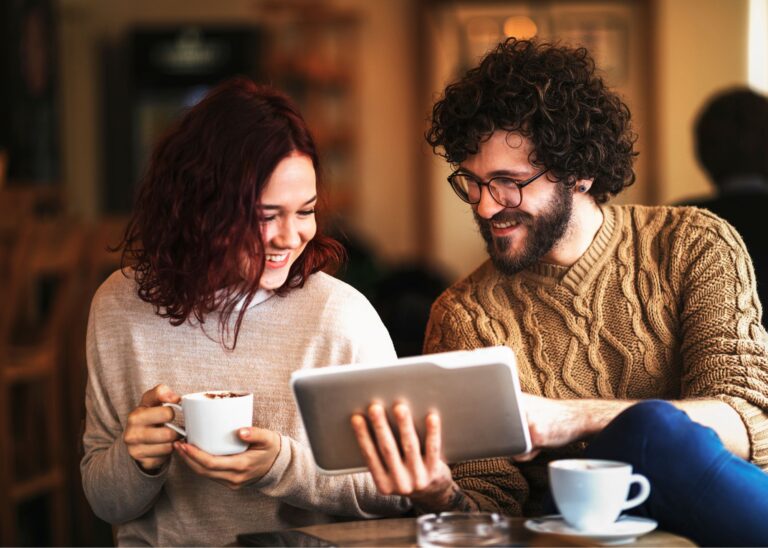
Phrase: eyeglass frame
x=520 y=186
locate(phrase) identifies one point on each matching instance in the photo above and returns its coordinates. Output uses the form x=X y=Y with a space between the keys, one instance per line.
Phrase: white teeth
x=276 y=258
x=505 y=225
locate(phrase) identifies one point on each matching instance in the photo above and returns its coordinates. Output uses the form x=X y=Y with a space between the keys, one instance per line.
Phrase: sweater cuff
x=756 y=422
x=275 y=474
x=141 y=478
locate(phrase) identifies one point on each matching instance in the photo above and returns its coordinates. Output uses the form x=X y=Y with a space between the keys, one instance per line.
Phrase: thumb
x=260 y=437
x=525 y=457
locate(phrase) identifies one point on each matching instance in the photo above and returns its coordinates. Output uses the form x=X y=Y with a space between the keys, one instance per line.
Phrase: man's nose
x=487 y=207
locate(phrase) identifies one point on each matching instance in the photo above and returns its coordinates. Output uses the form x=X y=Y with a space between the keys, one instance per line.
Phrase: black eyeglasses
x=504 y=190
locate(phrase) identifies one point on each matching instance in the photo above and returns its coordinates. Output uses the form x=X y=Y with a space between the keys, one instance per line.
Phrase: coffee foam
x=222 y=395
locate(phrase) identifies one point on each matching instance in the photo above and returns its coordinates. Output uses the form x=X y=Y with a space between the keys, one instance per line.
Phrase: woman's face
x=287 y=216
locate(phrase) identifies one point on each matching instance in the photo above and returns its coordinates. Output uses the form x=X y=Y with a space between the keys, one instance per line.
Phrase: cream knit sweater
x=130 y=349
x=662 y=305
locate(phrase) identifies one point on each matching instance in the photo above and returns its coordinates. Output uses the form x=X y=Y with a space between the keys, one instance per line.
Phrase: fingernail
x=243 y=431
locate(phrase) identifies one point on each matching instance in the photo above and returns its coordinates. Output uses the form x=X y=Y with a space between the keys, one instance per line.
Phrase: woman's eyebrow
x=270 y=206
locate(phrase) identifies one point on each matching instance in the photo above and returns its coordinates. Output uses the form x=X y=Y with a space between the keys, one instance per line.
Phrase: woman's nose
x=287 y=236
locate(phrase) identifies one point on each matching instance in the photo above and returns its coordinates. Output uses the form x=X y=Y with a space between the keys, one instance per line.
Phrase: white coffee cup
x=591 y=493
x=213 y=418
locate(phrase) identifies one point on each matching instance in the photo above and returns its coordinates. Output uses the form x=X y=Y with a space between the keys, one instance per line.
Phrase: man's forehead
x=503 y=141
x=515 y=140
x=501 y=147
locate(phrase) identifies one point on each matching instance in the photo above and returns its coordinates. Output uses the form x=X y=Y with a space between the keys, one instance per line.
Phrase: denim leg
x=698 y=488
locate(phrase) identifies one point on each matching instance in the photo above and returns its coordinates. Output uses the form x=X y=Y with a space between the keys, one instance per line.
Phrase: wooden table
x=402 y=532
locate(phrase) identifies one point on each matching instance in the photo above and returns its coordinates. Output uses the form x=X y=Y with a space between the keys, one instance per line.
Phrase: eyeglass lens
x=503 y=190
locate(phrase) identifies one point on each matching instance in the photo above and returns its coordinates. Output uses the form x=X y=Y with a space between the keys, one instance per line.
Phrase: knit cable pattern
x=662 y=305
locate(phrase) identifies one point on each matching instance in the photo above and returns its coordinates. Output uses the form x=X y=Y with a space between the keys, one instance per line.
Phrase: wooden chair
x=37 y=298
x=18 y=204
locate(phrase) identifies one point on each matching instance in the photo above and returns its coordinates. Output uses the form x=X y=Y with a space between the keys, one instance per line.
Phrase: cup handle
x=179 y=429
x=645 y=490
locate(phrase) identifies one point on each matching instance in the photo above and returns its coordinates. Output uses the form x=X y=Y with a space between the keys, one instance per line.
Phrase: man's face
x=517 y=238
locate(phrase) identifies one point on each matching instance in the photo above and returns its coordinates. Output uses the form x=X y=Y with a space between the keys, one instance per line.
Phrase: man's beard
x=544 y=231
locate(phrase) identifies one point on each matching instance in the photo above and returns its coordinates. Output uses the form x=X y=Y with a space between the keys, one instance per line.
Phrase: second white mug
x=591 y=493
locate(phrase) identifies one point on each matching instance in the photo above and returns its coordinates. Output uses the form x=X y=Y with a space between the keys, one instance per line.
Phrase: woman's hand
x=425 y=479
x=235 y=471
x=149 y=442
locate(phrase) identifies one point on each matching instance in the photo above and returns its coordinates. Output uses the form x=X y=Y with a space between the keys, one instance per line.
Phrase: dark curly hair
x=732 y=135
x=550 y=94
x=197 y=211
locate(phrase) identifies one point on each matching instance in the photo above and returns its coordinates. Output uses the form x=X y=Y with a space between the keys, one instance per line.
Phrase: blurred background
x=87 y=86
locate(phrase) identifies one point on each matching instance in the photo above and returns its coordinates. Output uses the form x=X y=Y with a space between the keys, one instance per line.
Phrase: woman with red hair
x=222 y=287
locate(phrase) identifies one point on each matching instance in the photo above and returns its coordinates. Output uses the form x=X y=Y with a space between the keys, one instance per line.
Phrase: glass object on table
x=462 y=529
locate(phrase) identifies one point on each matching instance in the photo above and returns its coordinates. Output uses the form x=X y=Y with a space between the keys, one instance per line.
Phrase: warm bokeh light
x=758 y=45
x=520 y=26
x=482 y=29
x=482 y=34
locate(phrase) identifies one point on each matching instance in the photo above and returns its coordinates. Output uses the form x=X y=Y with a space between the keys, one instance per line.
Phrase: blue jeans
x=698 y=488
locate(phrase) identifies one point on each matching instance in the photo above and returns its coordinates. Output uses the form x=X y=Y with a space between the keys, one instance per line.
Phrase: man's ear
x=582 y=186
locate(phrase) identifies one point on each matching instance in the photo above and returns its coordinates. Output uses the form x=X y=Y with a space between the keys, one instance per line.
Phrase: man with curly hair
x=637 y=329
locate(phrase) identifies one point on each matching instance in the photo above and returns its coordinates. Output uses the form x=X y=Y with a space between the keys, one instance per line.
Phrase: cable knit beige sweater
x=662 y=305
x=130 y=349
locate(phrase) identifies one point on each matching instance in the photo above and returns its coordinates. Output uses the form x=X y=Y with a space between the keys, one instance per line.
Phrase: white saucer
x=625 y=530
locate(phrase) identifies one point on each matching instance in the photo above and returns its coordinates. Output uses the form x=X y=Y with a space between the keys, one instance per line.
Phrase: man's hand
x=235 y=471
x=425 y=479
x=554 y=423
x=147 y=440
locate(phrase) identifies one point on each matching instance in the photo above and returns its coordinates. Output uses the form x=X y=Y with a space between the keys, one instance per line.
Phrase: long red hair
x=197 y=209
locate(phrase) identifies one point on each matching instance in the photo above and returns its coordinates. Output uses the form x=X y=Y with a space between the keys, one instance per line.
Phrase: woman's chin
x=270 y=283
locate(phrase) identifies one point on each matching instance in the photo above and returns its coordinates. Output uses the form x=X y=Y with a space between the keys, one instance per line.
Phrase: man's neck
x=586 y=220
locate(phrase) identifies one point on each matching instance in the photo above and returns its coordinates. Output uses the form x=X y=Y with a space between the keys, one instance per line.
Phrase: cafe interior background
x=86 y=86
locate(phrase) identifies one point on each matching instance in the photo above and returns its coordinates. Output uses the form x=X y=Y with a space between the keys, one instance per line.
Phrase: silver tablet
x=476 y=393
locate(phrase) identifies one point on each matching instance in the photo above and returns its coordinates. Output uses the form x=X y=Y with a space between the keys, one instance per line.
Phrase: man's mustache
x=506 y=216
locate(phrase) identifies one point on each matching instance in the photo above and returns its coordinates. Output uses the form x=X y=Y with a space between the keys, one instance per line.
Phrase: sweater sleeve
x=116 y=488
x=295 y=480
x=724 y=346
x=495 y=485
